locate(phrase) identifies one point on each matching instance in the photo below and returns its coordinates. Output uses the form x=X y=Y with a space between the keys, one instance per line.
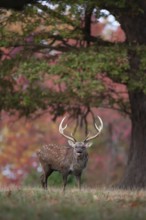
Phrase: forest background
x=75 y=59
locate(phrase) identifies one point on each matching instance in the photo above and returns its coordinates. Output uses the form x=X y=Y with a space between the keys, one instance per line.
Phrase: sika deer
x=67 y=160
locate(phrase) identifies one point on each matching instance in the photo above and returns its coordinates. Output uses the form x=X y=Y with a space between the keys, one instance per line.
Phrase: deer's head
x=80 y=147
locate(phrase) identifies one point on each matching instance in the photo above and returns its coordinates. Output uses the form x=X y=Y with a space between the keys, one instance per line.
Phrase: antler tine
x=73 y=137
x=98 y=128
x=101 y=125
x=87 y=136
x=61 y=130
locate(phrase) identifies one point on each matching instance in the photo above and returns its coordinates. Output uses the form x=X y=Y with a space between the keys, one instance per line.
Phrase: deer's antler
x=98 y=128
x=61 y=130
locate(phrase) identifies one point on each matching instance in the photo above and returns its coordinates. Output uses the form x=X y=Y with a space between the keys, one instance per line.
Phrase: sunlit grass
x=87 y=204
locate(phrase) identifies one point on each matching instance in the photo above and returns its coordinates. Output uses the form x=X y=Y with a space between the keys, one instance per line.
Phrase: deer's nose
x=79 y=151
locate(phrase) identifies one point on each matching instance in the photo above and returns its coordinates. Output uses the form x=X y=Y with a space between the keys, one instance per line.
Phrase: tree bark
x=134 y=27
x=16 y=5
x=135 y=173
x=87 y=26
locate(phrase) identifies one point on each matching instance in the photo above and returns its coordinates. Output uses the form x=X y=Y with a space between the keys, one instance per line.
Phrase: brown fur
x=63 y=159
x=71 y=159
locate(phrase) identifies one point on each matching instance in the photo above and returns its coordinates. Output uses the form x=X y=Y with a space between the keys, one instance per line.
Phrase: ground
x=87 y=204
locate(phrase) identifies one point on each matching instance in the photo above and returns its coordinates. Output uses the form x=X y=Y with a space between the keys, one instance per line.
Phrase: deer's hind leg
x=65 y=177
x=44 y=177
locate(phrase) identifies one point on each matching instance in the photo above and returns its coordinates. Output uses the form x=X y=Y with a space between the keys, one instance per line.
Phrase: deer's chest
x=78 y=165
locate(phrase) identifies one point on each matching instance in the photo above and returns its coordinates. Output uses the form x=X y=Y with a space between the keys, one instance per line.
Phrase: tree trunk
x=87 y=27
x=16 y=5
x=135 y=173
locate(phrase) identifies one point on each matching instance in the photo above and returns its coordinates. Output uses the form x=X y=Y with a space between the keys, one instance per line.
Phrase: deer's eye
x=83 y=147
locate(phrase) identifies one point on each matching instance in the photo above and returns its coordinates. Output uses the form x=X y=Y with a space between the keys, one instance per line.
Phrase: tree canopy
x=40 y=31
x=51 y=60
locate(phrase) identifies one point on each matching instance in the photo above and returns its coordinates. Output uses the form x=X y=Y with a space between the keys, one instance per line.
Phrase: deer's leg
x=44 y=177
x=64 y=181
x=78 y=177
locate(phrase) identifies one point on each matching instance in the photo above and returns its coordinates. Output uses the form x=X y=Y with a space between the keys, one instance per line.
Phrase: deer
x=71 y=159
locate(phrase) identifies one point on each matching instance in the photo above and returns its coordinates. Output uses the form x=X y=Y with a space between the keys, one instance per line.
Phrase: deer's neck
x=79 y=163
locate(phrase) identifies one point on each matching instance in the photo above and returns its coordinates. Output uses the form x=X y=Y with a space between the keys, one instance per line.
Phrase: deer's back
x=58 y=157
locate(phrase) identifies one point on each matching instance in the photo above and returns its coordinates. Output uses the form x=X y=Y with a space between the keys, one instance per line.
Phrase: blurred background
x=27 y=42
x=20 y=139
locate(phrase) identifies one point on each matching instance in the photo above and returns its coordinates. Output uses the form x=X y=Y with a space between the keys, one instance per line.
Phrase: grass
x=87 y=204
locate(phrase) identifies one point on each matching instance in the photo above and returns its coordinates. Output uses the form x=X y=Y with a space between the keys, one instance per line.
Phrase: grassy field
x=87 y=204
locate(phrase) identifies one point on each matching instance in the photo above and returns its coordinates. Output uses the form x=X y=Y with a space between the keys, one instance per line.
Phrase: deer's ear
x=88 y=144
x=71 y=143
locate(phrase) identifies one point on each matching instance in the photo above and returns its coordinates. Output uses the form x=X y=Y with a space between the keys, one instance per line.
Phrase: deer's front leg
x=78 y=177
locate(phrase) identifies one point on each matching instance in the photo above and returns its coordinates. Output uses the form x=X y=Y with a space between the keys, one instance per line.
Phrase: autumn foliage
x=20 y=140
